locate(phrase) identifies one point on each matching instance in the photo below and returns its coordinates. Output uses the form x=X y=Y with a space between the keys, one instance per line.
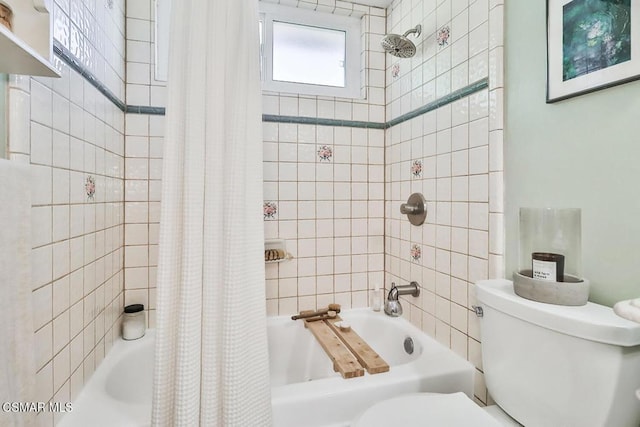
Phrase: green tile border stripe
x=321 y=122
x=69 y=58
x=441 y=102
x=143 y=109
x=65 y=55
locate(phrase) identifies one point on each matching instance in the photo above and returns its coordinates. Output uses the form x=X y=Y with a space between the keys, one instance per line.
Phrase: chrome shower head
x=400 y=45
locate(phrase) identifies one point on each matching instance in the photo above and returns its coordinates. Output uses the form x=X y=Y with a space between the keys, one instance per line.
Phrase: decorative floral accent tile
x=90 y=187
x=443 y=36
x=325 y=153
x=416 y=169
x=270 y=210
x=395 y=70
x=416 y=252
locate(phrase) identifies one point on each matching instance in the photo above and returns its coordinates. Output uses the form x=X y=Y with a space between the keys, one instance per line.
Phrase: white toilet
x=545 y=365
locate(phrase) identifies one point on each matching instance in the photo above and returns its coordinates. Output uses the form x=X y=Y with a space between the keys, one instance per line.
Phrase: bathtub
x=118 y=394
x=305 y=391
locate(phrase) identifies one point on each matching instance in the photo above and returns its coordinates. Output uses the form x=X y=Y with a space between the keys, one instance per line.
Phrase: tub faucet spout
x=392 y=305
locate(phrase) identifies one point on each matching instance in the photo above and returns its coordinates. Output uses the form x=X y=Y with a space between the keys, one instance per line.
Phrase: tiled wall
x=144 y=136
x=327 y=184
x=326 y=181
x=453 y=155
x=329 y=211
x=73 y=138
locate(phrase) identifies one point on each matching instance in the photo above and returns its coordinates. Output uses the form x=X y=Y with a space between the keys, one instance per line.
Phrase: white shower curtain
x=211 y=364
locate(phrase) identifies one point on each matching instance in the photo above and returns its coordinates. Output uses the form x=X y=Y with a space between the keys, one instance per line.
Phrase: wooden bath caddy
x=368 y=358
x=350 y=354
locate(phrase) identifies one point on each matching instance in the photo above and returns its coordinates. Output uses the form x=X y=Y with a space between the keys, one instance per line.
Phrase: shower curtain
x=211 y=365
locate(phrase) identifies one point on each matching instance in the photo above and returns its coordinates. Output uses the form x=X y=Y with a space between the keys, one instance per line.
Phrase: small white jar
x=134 y=324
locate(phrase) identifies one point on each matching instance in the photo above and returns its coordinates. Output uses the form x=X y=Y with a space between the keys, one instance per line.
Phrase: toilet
x=544 y=365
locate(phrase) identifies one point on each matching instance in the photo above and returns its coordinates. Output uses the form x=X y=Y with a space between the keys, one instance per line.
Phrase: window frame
x=297 y=16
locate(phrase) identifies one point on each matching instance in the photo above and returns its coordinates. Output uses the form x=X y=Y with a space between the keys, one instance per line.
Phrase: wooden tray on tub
x=350 y=354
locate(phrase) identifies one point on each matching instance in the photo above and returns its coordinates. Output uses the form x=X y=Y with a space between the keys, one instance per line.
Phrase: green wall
x=583 y=152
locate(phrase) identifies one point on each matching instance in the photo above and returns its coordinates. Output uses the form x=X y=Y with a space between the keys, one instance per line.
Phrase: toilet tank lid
x=591 y=321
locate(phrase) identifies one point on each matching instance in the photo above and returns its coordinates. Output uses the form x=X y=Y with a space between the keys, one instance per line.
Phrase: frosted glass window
x=306 y=54
x=310 y=52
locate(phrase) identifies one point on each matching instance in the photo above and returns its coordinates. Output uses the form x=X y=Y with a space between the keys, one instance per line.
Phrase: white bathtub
x=305 y=389
x=118 y=393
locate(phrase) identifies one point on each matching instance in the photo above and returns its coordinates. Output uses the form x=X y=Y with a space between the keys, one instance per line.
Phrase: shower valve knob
x=408 y=209
x=415 y=209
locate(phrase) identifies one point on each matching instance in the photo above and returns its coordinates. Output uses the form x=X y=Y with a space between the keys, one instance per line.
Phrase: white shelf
x=27 y=48
x=19 y=58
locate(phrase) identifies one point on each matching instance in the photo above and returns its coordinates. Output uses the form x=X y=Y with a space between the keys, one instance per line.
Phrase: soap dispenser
x=376 y=300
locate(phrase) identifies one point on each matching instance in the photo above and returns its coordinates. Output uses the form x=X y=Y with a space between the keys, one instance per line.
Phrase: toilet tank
x=550 y=365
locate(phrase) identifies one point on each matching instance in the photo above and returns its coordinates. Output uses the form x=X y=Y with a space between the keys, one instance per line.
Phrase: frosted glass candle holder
x=550 y=257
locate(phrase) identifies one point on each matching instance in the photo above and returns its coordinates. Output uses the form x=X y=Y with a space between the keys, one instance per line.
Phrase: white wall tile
x=139 y=10
x=456 y=150
x=479 y=188
x=43 y=345
x=138 y=94
x=44 y=387
x=41 y=104
x=139 y=29
x=61 y=129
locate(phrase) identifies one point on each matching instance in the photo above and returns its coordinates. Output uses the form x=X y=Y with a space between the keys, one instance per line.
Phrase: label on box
x=544 y=270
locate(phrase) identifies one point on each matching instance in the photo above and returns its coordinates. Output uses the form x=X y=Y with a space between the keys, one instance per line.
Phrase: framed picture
x=591 y=45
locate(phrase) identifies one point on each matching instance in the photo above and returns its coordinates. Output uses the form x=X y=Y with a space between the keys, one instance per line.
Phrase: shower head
x=400 y=45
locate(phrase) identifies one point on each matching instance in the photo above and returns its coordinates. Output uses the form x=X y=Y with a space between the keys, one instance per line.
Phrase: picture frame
x=591 y=45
